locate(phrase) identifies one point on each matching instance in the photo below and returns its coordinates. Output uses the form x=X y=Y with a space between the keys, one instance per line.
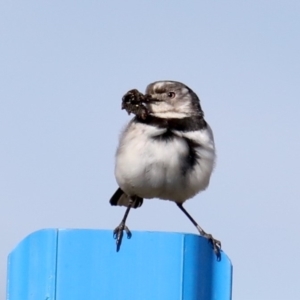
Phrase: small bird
x=166 y=151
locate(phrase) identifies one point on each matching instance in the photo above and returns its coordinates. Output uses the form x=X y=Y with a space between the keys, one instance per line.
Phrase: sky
x=64 y=67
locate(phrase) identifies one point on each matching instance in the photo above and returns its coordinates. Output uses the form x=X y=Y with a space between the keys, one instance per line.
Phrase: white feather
x=152 y=168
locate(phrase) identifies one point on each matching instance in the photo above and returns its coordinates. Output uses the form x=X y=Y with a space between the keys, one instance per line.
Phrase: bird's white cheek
x=159 y=107
x=166 y=110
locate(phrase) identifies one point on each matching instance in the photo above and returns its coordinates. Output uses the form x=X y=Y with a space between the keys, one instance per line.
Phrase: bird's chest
x=151 y=165
x=160 y=154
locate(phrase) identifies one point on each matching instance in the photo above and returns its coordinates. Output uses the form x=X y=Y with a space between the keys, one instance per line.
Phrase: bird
x=166 y=151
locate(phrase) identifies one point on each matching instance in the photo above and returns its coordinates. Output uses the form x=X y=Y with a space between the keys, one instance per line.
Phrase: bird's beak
x=149 y=99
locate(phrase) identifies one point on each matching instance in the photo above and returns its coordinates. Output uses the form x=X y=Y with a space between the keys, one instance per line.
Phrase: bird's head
x=172 y=99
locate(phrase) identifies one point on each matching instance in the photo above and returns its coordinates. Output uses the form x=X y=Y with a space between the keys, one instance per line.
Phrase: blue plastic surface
x=84 y=265
x=32 y=267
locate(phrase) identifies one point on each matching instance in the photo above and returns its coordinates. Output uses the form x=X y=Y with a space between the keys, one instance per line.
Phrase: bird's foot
x=118 y=234
x=215 y=243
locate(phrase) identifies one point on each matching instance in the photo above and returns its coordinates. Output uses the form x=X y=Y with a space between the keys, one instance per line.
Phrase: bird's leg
x=215 y=243
x=118 y=232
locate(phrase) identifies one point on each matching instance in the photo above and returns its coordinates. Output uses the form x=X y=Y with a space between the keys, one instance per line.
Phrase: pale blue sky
x=64 y=67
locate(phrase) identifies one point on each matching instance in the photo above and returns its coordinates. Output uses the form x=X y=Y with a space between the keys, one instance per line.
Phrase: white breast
x=152 y=168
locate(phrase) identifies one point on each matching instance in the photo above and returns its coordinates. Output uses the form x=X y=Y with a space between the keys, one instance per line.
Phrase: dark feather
x=121 y=199
x=185 y=124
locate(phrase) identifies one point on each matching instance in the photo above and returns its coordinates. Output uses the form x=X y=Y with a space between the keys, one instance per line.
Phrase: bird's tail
x=121 y=199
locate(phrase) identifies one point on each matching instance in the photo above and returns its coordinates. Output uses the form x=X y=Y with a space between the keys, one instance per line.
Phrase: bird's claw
x=216 y=245
x=118 y=234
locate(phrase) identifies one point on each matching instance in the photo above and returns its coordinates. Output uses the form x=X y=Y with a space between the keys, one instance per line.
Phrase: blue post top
x=60 y=264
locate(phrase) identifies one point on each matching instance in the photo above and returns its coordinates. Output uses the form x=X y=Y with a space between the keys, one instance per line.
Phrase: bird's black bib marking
x=193 y=123
x=185 y=124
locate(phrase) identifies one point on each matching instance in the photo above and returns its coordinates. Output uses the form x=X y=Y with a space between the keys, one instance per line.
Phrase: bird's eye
x=171 y=94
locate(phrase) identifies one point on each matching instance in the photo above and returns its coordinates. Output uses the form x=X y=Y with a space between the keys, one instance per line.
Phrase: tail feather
x=121 y=199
